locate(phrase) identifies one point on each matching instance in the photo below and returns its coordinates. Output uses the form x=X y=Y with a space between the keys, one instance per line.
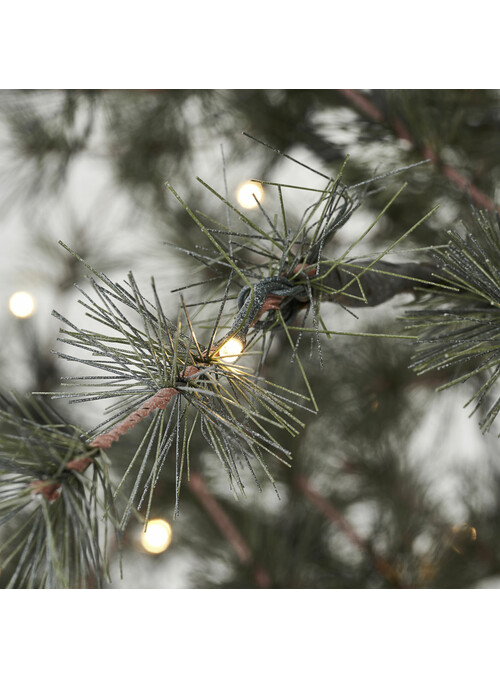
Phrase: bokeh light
x=22 y=304
x=462 y=537
x=157 y=536
x=247 y=193
x=230 y=351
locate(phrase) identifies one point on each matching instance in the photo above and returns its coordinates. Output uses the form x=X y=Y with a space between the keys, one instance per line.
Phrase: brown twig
x=158 y=401
x=79 y=464
x=47 y=488
x=463 y=184
x=385 y=569
x=227 y=527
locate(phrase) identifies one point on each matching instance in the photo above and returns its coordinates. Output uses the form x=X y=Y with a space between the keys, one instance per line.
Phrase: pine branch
x=151 y=364
x=461 y=329
x=385 y=569
x=283 y=271
x=170 y=385
x=199 y=488
x=52 y=511
x=362 y=103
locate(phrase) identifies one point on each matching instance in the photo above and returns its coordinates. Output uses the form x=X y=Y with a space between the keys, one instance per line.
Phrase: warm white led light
x=21 y=304
x=230 y=351
x=246 y=194
x=157 y=536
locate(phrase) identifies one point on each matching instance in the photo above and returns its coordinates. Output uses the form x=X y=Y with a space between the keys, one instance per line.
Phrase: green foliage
x=54 y=512
x=364 y=503
x=294 y=260
x=461 y=329
x=149 y=362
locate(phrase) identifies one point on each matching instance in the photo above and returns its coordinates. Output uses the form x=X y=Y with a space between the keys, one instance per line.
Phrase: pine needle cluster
x=153 y=366
x=459 y=330
x=54 y=512
x=280 y=272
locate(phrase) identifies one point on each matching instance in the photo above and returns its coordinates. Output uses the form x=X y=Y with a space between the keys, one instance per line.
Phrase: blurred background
x=392 y=484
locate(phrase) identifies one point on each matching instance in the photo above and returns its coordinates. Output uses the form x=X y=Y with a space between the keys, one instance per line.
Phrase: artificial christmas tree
x=309 y=282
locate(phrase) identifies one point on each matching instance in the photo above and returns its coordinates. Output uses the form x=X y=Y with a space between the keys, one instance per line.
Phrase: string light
x=462 y=537
x=246 y=193
x=230 y=351
x=22 y=304
x=157 y=536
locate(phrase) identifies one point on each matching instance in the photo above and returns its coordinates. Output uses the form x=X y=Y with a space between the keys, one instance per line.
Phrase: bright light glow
x=246 y=193
x=157 y=536
x=230 y=351
x=21 y=304
x=462 y=536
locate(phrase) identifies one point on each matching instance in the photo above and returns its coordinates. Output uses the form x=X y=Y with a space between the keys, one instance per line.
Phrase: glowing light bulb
x=157 y=536
x=230 y=351
x=21 y=304
x=246 y=193
x=462 y=536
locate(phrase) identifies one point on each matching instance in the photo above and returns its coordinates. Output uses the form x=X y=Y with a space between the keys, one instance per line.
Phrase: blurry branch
x=229 y=530
x=370 y=110
x=385 y=569
x=46 y=140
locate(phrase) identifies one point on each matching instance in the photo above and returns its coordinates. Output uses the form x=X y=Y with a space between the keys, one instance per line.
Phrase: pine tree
x=282 y=407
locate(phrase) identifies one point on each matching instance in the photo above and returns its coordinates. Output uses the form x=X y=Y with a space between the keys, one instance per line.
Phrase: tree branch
x=227 y=527
x=463 y=184
x=385 y=569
